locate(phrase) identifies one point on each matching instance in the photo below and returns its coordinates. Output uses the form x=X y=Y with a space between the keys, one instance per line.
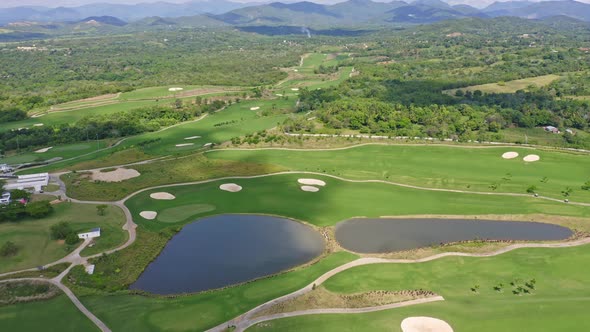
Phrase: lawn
x=36 y=247
x=281 y=195
x=163 y=91
x=65 y=151
x=511 y=86
x=58 y=314
x=472 y=169
x=558 y=302
x=202 y=311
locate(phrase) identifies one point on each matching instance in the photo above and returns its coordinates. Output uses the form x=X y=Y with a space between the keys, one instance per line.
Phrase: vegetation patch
x=26 y=291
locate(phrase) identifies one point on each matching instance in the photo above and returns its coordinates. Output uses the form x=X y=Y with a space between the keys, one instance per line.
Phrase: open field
x=557 y=303
x=60 y=151
x=32 y=236
x=510 y=86
x=205 y=310
x=462 y=168
x=337 y=201
x=57 y=314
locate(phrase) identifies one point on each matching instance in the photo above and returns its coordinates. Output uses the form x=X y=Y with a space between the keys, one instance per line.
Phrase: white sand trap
x=294 y=89
x=44 y=150
x=163 y=196
x=184 y=144
x=254 y=108
x=510 y=155
x=175 y=89
x=231 y=187
x=118 y=175
x=279 y=95
x=311 y=182
x=37 y=115
x=425 y=324
x=310 y=189
x=149 y=215
x=531 y=158
x=192 y=137
x=38 y=125
x=207 y=145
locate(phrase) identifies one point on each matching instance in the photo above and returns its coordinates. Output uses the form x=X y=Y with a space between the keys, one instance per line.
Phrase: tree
x=532 y=189
x=586 y=186
x=39 y=209
x=18 y=194
x=60 y=231
x=8 y=249
x=567 y=192
x=101 y=209
x=72 y=238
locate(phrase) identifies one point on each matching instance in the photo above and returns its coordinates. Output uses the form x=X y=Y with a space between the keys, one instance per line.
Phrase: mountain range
x=357 y=13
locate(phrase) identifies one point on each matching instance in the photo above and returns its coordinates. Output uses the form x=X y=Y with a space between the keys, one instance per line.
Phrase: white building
x=35 y=181
x=5 y=198
x=95 y=232
x=5 y=168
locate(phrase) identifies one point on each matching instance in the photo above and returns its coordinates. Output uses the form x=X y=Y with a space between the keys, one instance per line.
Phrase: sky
x=71 y=3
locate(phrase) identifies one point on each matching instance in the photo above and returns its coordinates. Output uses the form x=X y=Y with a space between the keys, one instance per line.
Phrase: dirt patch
x=425 y=324
x=149 y=215
x=510 y=155
x=231 y=187
x=312 y=182
x=163 y=196
x=310 y=189
x=321 y=298
x=118 y=175
x=531 y=158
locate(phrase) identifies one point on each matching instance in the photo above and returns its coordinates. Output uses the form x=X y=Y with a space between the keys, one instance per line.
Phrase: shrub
x=39 y=209
x=61 y=230
x=532 y=189
x=18 y=194
x=72 y=238
x=8 y=249
x=101 y=209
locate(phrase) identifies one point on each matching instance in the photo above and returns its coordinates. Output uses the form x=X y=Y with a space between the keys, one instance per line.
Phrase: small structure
x=95 y=232
x=36 y=181
x=551 y=129
x=4 y=168
x=89 y=269
x=5 y=198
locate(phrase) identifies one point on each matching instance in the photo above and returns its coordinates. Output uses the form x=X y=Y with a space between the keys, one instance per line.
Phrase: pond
x=389 y=235
x=228 y=249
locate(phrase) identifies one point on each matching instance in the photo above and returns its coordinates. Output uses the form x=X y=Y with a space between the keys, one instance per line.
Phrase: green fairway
x=65 y=151
x=164 y=91
x=202 y=311
x=471 y=169
x=558 y=302
x=281 y=195
x=58 y=314
x=32 y=236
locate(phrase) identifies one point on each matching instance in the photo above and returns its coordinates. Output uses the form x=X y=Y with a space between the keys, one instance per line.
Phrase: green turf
x=205 y=310
x=57 y=314
x=183 y=212
x=473 y=169
x=65 y=151
x=36 y=247
x=281 y=195
x=558 y=303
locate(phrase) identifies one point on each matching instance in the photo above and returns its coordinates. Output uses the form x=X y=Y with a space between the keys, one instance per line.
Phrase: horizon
x=76 y=3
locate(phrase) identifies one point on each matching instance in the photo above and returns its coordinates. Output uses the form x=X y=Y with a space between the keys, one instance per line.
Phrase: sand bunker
x=149 y=215
x=118 y=175
x=425 y=324
x=175 y=89
x=254 y=108
x=37 y=115
x=310 y=189
x=38 y=125
x=184 y=144
x=279 y=95
x=510 y=155
x=163 y=196
x=231 y=187
x=531 y=158
x=311 y=182
x=294 y=89
x=207 y=145
x=192 y=137
x=44 y=150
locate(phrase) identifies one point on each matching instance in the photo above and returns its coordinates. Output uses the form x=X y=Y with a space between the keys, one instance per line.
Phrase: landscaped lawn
x=58 y=314
x=463 y=168
x=205 y=310
x=36 y=247
x=559 y=301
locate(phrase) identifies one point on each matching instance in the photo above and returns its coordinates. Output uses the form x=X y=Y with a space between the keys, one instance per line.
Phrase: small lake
x=389 y=235
x=229 y=249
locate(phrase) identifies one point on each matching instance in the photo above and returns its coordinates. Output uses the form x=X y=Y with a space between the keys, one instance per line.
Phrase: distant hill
x=108 y=20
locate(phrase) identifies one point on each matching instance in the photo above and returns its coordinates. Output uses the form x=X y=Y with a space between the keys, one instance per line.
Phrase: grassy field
x=58 y=314
x=559 y=301
x=336 y=202
x=472 y=169
x=36 y=247
x=205 y=310
x=510 y=86
x=65 y=151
